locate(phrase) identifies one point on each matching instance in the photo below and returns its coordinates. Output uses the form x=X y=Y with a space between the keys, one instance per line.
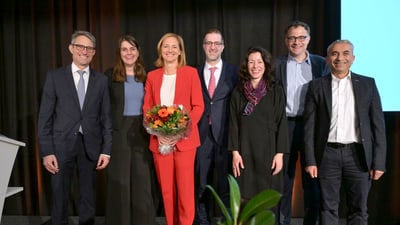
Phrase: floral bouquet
x=168 y=121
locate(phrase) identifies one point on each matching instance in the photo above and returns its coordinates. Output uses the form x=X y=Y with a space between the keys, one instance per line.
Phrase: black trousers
x=131 y=180
x=61 y=185
x=213 y=163
x=310 y=186
x=342 y=166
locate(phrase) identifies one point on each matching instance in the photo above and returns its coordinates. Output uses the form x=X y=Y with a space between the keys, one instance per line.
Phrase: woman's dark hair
x=119 y=73
x=268 y=75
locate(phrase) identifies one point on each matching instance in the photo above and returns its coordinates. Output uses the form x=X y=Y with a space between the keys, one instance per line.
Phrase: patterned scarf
x=253 y=95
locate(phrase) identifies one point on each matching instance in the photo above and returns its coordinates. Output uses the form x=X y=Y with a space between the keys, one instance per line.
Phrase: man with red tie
x=218 y=78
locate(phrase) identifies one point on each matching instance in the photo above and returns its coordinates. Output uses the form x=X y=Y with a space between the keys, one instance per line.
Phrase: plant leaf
x=262 y=201
x=228 y=218
x=222 y=223
x=235 y=197
x=263 y=218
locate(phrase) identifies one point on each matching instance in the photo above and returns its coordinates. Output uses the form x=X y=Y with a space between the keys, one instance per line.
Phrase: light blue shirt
x=134 y=94
x=298 y=76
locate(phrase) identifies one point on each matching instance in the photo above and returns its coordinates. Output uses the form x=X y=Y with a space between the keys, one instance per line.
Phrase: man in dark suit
x=293 y=72
x=344 y=136
x=212 y=156
x=75 y=127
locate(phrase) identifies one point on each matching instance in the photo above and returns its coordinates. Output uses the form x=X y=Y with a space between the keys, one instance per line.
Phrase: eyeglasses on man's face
x=210 y=43
x=294 y=38
x=79 y=47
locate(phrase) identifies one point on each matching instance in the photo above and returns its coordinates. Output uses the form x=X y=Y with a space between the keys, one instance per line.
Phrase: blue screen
x=373 y=28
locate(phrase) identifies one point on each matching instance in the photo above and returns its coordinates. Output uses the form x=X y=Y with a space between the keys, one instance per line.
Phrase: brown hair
x=119 y=73
x=214 y=31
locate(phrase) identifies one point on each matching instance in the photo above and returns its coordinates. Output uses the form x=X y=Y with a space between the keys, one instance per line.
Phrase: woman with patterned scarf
x=258 y=135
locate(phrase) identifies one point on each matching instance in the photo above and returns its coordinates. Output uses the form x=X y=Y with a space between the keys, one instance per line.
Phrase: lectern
x=8 y=152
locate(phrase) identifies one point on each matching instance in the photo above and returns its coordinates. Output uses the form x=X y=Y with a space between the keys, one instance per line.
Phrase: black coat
x=258 y=137
x=368 y=108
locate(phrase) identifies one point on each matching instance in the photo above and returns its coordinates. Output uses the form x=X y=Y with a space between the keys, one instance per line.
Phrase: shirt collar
x=218 y=65
x=307 y=60
x=75 y=68
x=348 y=77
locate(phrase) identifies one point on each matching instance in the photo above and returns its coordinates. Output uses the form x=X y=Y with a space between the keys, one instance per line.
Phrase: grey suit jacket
x=60 y=115
x=217 y=107
x=317 y=116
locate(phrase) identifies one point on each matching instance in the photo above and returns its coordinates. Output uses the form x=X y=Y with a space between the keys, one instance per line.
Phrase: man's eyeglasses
x=216 y=43
x=294 y=38
x=79 y=47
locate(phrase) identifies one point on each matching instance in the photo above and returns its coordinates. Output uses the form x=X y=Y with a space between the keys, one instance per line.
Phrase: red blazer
x=187 y=93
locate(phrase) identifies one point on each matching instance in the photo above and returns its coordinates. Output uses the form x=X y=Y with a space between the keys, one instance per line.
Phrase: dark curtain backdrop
x=34 y=38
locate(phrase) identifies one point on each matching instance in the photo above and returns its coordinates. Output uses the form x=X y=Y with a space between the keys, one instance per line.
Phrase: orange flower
x=157 y=123
x=182 y=121
x=171 y=110
x=148 y=114
x=163 y=112
x=166 y=120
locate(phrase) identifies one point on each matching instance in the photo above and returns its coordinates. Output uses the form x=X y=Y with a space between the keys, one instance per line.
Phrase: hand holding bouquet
x=169 y=123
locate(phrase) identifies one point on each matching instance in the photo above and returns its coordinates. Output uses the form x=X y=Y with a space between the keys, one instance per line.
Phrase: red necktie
x=211 y=83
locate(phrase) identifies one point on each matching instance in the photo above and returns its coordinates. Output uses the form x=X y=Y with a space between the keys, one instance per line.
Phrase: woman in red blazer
x=175 y=83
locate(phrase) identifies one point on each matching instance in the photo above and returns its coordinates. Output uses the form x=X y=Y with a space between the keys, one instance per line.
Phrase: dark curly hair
x=268 y=75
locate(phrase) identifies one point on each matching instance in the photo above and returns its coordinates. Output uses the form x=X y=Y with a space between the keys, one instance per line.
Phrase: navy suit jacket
x=368 y=108
x=318 y=68
x=218 y=106
x=60 y=115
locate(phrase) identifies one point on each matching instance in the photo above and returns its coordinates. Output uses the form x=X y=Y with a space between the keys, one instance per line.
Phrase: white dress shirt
x=344 y=121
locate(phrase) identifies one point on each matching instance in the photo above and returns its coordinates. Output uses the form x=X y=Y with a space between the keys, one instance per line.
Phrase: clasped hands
x=168 y=140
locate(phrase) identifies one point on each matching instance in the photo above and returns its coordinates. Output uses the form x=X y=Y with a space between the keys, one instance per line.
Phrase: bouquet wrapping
x=167 y=121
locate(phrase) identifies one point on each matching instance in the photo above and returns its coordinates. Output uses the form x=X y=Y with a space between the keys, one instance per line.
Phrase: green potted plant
x=254 y=212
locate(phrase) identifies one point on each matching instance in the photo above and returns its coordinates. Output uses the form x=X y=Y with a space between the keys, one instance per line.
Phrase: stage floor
x=45 y=220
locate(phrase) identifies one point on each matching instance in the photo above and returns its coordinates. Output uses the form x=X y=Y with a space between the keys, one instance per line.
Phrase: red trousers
x=175 y=173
